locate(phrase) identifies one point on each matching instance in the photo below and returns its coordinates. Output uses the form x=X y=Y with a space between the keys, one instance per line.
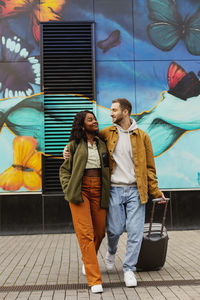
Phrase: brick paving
x=54 y=259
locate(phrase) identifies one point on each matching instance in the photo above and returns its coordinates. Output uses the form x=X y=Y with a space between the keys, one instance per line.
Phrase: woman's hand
x=66 y=153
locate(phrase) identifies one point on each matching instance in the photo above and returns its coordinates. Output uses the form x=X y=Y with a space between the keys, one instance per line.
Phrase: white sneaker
x=129 y=279
x=97 y=289
x=109 y=261
x=83 y=270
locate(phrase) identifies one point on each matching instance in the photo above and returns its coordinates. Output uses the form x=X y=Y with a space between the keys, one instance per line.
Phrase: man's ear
x=125 y=112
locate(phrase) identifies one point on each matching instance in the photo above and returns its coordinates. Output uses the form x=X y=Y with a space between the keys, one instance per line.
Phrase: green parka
x=72 y=172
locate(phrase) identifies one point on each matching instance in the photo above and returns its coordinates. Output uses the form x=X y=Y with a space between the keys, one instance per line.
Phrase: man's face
x=116 y=113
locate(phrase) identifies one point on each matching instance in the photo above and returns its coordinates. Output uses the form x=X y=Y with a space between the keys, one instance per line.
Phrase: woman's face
x=90 y=123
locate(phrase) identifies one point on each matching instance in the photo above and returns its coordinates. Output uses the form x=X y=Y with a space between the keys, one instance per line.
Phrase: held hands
x=66 y=153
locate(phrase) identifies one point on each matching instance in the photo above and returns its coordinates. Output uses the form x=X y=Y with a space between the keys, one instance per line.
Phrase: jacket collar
x=113 y=128
x=96 y=138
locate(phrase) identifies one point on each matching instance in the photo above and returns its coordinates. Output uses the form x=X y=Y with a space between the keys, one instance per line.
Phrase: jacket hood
x=130 y=129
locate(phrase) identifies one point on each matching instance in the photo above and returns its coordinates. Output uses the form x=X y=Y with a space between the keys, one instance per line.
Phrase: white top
x=124 y=173
x=93 y=161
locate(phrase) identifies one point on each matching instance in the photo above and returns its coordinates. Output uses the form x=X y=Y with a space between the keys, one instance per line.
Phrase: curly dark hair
x=77 y=132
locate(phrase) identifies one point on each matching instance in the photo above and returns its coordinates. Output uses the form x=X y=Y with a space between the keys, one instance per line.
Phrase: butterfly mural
x=26 y=168
x=19 y=70
x=175 y=74
x=181 y=84
x=113 y=40
x=24 y=116
x=176 y=113
x=39 y=11
x=168 y=26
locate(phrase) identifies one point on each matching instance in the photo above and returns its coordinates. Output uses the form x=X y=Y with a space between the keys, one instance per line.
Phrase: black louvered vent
x=68 y=86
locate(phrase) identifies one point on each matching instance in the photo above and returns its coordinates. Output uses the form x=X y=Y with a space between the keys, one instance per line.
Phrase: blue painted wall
x=146 y=51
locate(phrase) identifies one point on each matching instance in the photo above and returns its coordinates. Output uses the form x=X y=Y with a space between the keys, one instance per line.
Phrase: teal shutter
x=68 y=83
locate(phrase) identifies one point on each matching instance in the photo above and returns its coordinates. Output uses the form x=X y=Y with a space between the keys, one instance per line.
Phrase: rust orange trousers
x=89 y=223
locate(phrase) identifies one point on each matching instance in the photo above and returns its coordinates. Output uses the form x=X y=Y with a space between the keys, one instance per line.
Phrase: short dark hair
x=77 y=132
x=124 y=104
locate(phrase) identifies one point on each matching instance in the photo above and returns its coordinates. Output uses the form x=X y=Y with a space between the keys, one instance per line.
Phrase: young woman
x=85 y=182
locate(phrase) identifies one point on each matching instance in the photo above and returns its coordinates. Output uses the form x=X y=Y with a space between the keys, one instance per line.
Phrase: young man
x=133 y=176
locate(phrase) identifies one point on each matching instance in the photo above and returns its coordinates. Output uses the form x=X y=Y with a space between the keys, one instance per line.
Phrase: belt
x=92 y=172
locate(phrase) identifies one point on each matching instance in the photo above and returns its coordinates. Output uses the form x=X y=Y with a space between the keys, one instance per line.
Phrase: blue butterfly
x=168 y=26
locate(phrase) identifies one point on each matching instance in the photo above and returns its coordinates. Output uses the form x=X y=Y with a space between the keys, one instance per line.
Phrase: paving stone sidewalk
x=45 y=267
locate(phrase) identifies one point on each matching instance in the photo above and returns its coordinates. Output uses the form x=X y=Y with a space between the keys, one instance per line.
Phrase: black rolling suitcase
x=154 y=244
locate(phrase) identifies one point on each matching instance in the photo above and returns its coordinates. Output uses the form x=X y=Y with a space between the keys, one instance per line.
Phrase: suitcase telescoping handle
x=152 y=214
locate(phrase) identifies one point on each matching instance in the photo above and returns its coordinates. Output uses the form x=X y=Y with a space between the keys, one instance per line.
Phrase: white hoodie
x=123 y=173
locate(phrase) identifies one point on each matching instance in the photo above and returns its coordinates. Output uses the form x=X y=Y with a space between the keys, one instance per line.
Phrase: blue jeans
x=126 y=212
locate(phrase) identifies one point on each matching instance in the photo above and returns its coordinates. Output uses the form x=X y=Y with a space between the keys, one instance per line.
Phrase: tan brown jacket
x=145 y=170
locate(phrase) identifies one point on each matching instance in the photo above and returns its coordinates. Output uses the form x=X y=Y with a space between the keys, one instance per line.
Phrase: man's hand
x=163 y=199
x=66 y=153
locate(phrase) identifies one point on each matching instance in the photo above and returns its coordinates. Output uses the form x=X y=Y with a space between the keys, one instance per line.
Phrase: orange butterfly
x=40 y=11
x=26 y=168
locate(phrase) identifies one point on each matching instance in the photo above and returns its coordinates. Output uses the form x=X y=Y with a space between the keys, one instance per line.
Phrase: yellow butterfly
x=26 y=168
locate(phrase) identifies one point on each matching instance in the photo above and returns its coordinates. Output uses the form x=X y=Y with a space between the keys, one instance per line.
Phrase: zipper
x=85 y=144
x=101 y=161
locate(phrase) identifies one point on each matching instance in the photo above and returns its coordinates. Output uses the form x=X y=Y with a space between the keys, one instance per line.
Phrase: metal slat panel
x=68 y=80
